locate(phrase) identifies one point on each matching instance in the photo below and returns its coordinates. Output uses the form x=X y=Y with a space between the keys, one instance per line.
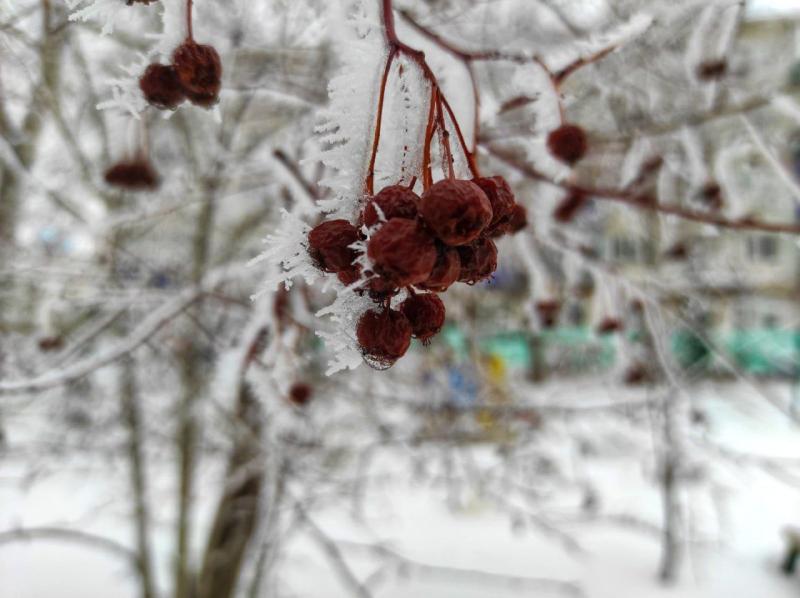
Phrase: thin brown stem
x=635 y=200
x=445 y=139
x=370 y=181
x=189 y=30
x=427 y=177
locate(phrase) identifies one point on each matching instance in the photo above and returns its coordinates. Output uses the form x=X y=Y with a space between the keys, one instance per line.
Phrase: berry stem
x=427 y=177
x=189 y=31
x=370 y=182
x=444 y=138
x=398 y=47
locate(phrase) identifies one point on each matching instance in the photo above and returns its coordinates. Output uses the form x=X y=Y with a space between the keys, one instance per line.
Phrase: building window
x=763 y=248
x=623 y=249
x=770 y=321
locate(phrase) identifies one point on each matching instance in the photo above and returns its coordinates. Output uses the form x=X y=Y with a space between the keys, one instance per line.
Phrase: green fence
x=761 y=352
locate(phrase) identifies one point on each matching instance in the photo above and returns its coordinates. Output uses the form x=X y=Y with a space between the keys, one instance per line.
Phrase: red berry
x=199 y=70
x=384 y=336
x=161 y=87
x=711 y=195
x=403 y=252
x=568 y=143
x=136 y=175
x=300 y=393
x=712 y=69
x=518 y=220
x=501 y=199
x=636 y=374
x=569 y=207
x=548 y=312
x=609 y=325
x=478 y=260
x=456 y=211
x=349 y=275
x=426 y=315
x=329 y=245
x=395 y=201
x=445 y=271
x=677 y=252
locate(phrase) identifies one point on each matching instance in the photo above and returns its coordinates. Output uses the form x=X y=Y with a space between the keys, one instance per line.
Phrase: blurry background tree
x=133 y=353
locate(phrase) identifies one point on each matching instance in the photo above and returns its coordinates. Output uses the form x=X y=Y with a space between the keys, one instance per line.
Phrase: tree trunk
x=238 y=509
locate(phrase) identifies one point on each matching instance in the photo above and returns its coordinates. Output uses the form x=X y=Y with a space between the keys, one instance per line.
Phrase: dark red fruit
x=384 y=336
x=569 y=207
x=636 y=374
x=350 y=275
x=402 y=252
x=161 y=87
x=518 y=220
x=329 y=245
x=204 y=100
x=712 y=69
x=478 y=260
x=609 y=325
x=426 y=315
x=395 y=201
x=501 y=199
x=445 y=271
x=51 y=343
x=677 y=252
x=135 y=175
x=711 y=195
x=456 y=211
x=568 y=143
x=199 y=70
x=548 y=312
x=300 y=394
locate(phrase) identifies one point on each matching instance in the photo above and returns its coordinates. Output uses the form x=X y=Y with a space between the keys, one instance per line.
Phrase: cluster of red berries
x=417 y=243
x=195 y=75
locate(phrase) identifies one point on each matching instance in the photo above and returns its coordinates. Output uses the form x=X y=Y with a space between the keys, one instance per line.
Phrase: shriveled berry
x=199 y=70
x=568 y=143
x=426 y=314
x=609 y=326
x=518 y=220
x=349 y=275
x=384 y=336
x=329 y=245
x=569 y=207
x=204 y=100
x=445 y=271
x=395 y=201
x=711 y=195
x=637 y=374
x=456 y=211
x=402 y=252
x=501 y=199
x=548 y=312
x=161 y=87
x=300 y=394
x=677 y=252
x=135 y=175
x=478 y=260
x=712 y=69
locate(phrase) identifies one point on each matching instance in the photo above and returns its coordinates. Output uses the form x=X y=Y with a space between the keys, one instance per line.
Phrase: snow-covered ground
x=467 y=548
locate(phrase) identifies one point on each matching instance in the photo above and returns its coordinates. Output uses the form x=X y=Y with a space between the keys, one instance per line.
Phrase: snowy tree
x=212 y=215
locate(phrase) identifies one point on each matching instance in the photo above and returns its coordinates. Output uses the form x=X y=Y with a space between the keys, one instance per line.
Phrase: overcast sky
x=773 y=7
